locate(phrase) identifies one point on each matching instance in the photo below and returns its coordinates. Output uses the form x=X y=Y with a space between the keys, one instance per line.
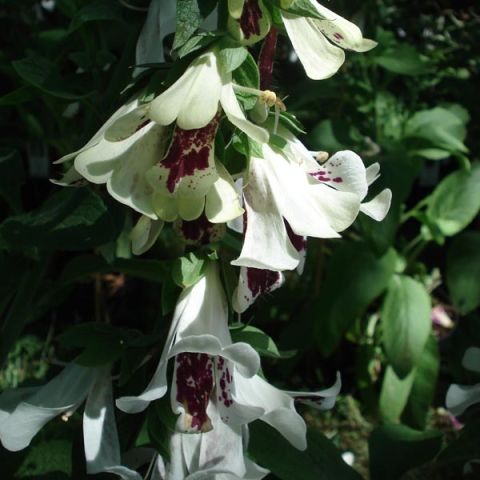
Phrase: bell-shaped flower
x=319 y=43
x=24 y=411
x=206 y=361
x=278 y=189
x=249 y=20
x=193 y=100
x=460 y=397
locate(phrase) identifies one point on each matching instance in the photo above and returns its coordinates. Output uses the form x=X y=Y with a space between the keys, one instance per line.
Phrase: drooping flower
x=23 y=413
x=215 y=378
x=460 y=397
x=319 y=43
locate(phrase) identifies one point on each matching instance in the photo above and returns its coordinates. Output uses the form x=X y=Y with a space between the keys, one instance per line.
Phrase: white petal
x=128 y=183
x=471 y=359
x=378 y=207
x=373 y=172
x=340 y=31
x=222 y=201
x=234 y=113
x=144 y=234
x=193 y=99
x=71 y=178
x=460 y=397
x=319 y=57
x=321 y=400
x=63 y=393
x=102 y=448
x=190 y=208
x=123 y=110
x=127 y=124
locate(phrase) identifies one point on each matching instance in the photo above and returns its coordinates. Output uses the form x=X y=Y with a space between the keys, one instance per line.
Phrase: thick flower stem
x=266 y=58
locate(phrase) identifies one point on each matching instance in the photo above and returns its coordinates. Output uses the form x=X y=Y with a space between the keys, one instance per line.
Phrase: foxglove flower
x=319 y=43
x=23 y=412
x=193 y=100
x=249 y=20
x=460 y=397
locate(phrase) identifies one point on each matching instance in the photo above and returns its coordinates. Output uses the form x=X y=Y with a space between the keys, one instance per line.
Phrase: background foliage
x=365 y=303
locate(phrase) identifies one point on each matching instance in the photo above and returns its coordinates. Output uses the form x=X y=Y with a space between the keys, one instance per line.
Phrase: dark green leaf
x=404 y=60
x=11 y=178
x=394 y=394
x=247 y=75
x=96 y=11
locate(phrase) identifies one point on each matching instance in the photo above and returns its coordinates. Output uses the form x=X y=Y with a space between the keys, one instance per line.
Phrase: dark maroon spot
x=298 y=241
x=338 y=179
x=189 y=151
x=143 y=124
x=266 y=58
x=321 y=176
x=194 y=380
x=225 y=382
x=199 y=230
x=261 y=281
x=250 y=19
x=338 y=36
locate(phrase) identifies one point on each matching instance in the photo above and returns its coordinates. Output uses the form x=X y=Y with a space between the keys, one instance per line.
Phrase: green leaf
x=43 y=74
x=18 y=96
x=71 y=219
x=187 y=270
x=353 y=273
x=455 y=201
x=424 y=384
x=97 y=11
x=402 y=59
x=247 y=75
x=441 y=127
x=260 y=341
x=11 y=178
x=231 y=57
x=302 y=8
x=430 y=153
x=394 y=395
x=197 y=42
x=463 y=271
x=190 y=15
x=320 y=461
x=406 y=323
x=395 y=449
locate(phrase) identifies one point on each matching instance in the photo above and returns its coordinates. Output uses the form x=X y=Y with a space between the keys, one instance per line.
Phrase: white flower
x=460 y=397
x=319 y=43
x=23 y=412
x=193 y=100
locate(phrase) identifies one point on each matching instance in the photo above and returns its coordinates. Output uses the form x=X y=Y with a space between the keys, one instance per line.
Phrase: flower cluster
x=164 y=158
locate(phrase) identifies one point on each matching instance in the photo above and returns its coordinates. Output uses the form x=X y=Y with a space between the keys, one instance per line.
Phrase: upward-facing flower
x=319 y=43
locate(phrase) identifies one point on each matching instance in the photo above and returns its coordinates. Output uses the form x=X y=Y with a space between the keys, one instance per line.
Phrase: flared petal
x=71 y=178
x=372 y=172
x=193 y=99
x=340 y=31
x=222 y=201
x=126 y=125
x=253 y=282
x=321 y=400
x=278 y=406
x=320 y=58
x=128 y=183
x=460 y=397
x=100 y=436
x=144 y=234
x=235 y=115
x=378 y=207
x=63 y=393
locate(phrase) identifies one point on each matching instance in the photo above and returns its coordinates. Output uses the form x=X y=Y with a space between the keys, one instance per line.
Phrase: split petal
x=193 y=99
x=319 y=57
x=252 y=283
x=64 y=393
x=378 y=207
x=144 y=234
x=102 y=447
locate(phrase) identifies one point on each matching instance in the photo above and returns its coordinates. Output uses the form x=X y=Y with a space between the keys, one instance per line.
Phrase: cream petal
x=222 y=201
x=193 y=99
x=372 y=172
x=71 y=178
x=165 y=207
x=378 y=207
x=190 y=208
x=319 y=57
x=144 y=234
x=127 y=124
x=235 y=115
